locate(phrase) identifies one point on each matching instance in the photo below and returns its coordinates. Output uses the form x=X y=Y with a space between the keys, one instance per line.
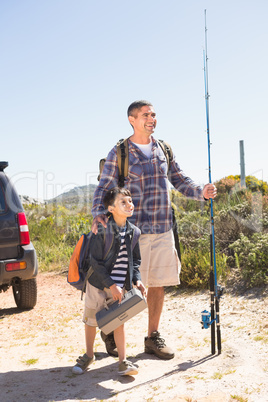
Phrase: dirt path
x=39 y=347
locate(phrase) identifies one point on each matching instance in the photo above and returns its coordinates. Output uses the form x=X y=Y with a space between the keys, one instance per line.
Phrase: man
x=147 y=181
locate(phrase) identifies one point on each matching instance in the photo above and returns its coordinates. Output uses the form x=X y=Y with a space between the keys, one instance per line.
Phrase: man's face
x=144 y=120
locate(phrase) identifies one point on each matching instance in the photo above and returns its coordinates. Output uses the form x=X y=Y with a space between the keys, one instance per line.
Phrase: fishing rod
x=209 y=319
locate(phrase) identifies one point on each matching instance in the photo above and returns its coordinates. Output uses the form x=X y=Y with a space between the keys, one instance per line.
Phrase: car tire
x=25 y=293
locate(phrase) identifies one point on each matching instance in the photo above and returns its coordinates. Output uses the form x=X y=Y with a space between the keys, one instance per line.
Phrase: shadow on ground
x=59 y=384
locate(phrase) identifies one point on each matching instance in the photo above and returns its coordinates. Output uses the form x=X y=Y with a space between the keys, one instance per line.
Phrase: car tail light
x=23 y=229
x=16 y=266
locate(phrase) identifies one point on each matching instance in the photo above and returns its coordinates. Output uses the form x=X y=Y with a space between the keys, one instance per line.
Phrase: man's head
x=119 y=203
x=136 y=106
x=142 y=117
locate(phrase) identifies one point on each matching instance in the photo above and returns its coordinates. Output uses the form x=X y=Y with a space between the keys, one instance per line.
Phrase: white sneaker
x=82 y=364
x=127 y=368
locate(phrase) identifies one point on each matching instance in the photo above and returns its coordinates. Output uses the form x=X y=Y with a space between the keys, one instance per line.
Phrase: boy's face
x=123 y=207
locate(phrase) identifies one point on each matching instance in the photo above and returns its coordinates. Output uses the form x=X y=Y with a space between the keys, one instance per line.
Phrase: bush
x=54 y=231
x=231 y=221
x=193 y=227
x=196 y=268
x=251 y=257
x=183 y=204
x=230 y=183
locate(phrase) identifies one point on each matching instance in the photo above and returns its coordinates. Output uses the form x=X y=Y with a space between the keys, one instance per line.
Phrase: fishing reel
x=220 y=290
x=205 y=319
x=206 y=315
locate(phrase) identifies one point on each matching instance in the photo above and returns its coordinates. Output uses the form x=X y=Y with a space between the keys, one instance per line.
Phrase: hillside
x=76 y=196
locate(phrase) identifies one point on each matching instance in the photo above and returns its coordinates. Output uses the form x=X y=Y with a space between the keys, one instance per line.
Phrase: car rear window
x=2 y=201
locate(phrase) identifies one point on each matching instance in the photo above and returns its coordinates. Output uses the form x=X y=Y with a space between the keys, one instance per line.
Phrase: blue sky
x=70 y=68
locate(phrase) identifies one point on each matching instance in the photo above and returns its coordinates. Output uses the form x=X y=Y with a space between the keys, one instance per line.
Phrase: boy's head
x=119 y=203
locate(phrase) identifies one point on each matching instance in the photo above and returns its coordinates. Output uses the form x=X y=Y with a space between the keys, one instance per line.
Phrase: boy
x=111 y=276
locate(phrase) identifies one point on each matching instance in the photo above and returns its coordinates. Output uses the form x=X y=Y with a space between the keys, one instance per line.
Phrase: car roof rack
x=3 y=165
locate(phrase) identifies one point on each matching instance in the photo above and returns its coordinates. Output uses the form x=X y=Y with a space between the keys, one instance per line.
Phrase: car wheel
x=25 y=293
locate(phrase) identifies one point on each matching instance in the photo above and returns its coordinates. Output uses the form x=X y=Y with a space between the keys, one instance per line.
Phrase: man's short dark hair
x=111 y=195
x=137 y=105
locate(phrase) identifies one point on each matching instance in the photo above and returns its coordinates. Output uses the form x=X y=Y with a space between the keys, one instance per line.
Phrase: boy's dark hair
x=137 y=105
x=111 y=195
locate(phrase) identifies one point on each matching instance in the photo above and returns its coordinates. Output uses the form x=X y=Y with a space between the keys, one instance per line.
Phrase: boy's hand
x=142 y=288
x=102 y=218
x=117 y=292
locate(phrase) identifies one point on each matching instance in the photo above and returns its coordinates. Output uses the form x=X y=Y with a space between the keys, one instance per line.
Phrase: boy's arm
x=136 y=263
x=142 y=288
x=136 y=271
x=117 y=292
x=97 y=263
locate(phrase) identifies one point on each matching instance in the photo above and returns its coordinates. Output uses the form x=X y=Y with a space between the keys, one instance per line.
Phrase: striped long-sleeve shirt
x=119 y=271
x=148 y=181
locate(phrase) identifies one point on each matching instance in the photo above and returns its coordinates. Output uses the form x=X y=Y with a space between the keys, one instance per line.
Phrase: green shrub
x=251 y=257
x=54 y=231
x=196 y=268
x=192 y=227
x=231 y=221
x=183 y=204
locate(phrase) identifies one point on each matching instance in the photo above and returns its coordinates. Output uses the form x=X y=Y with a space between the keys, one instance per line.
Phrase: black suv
x=18 y=262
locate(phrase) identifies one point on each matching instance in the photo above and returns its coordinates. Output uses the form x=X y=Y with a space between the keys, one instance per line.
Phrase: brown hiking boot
x=156 y=345
x=110 y=344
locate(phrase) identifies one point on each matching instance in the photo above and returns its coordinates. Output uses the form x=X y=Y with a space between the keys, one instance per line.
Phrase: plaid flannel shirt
x=148 y=182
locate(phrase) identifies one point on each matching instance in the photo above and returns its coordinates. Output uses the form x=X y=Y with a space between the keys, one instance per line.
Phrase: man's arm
x=187 y=186
x=109 y=179
x=102 y=218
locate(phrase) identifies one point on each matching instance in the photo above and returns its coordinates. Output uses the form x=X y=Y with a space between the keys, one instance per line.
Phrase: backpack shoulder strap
x=122 y=158
x=85 y=251
x=136 y=236
x=101 y=166
x=166 y=148
x=108 y=242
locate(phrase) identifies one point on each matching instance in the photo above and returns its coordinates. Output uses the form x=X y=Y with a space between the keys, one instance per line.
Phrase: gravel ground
x=39 y=347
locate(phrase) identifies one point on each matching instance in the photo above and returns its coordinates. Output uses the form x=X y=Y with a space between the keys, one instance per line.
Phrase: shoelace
x=158 y=340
